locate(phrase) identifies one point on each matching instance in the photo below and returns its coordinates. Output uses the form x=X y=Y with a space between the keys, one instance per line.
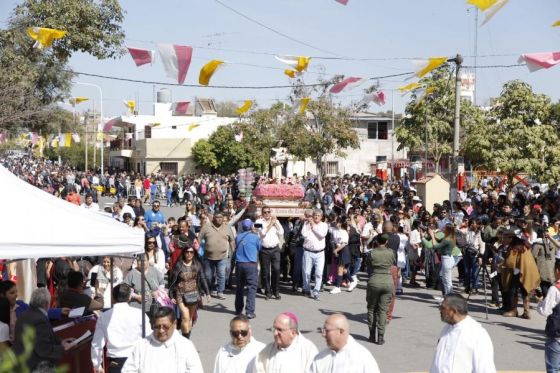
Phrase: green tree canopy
x=517 y=135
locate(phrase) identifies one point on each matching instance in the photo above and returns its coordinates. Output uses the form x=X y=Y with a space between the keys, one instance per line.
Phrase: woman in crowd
x=445 y=249
x=341 y=253
x=155 y=256
x=187 y=284
x=472 y=256
x=414 y=251
x=519 y=275
x=380 y=288
x=103 y=281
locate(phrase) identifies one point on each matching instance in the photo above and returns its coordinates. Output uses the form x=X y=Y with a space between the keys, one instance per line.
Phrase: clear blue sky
x=362 y=29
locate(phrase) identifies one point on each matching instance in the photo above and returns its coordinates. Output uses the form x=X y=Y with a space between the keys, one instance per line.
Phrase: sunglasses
x=266 y=212
x=151 y=242
x=238 y=333
x=190 y=251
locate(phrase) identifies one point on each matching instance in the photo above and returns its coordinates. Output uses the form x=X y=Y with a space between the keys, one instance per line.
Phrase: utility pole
x=457 y=126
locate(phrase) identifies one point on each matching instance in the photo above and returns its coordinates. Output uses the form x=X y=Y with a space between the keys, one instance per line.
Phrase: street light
x=101 y=110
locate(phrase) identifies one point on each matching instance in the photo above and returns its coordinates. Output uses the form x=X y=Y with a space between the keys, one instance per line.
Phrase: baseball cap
x=247 y=224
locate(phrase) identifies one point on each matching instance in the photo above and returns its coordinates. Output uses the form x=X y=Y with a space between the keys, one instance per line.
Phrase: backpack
x=552 y=329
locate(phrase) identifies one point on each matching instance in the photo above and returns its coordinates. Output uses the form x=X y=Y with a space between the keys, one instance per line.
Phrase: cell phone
x=258 y=225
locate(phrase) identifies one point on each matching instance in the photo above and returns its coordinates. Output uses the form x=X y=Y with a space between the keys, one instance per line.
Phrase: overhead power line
x=273 y=30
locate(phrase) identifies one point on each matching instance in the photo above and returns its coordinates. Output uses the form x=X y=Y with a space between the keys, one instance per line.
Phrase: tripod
x=485 y=275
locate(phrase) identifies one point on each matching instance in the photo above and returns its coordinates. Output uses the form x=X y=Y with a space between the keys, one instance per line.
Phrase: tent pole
x=112 y=279
x=143 y=290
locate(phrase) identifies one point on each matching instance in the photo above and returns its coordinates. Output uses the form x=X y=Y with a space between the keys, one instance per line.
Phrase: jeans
x=355 y=265
x=246 y=274
x=552 y=355
x=313 y=260
x=217 y=267
x=270 y=269
x=447 y=264
x=470 y=279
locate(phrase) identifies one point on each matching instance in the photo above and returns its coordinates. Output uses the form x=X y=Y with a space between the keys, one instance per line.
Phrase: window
x=331 y=168
x=148 y=132
x=169 y=168
x=378 y=130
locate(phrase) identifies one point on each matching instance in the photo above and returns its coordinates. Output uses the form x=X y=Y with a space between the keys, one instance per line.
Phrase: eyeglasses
x=151 y=242
x=239 y=333
x=190 y=251
x=156 y=206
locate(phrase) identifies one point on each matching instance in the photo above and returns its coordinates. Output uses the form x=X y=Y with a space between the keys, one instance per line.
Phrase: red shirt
x=146 y=183
x=73 y=198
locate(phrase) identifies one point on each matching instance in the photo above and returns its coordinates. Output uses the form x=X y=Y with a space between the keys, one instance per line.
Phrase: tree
x=32 y=79
x=221 y=152
x=226 y=109
x=517 y=135
x=434 y=114
x=327 y=130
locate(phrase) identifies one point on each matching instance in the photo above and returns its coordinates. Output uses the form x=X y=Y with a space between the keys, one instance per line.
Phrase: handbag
x=190 y=297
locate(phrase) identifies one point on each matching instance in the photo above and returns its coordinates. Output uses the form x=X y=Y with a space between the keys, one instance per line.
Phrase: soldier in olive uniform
x=380 y=288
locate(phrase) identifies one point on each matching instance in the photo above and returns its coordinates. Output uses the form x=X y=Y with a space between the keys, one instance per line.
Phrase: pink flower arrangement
x=279 y=191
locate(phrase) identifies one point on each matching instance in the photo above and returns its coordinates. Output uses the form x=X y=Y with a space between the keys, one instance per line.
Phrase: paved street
x=410 y=339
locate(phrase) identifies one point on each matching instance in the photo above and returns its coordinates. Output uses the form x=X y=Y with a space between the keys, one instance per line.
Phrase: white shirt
x=340 y=236
x=93 y=207
x=296 y=358
x=352 y=358
x=4 y=332
x=130 y=210
x=230 y=359
x=464 y=347
x=314 y=238
x=120 y=328
x=176 y=355
x=269 y=236
x=546 y=306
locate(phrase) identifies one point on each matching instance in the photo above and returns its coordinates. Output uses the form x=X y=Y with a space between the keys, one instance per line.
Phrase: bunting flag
x=347 y=84
x=299 y=63
x=44 y=37
x=537 y=61
x=303 y=104
x=245 y=108
x=34 y=138
x=488 y=7
x=239 y=136
x=409 y=87
x=77 y=100
x=422 y=92
x=423 y=67
x=141 y=56
x=180 y=107
x=343 y=2
x=76 y=138
x=155 y=124
x=100 y=136
x=556 y=24
x=109 y=124
x=65 y=140
x=130 y=104
x=376 y=97
x=128 y=136
x=176 y=60
x=207 y=71
x=54 y=142
x=292 y=73
x=192 y=126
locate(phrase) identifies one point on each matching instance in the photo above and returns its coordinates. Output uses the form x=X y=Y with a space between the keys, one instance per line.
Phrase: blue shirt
x=248 y=245
x=152 y=216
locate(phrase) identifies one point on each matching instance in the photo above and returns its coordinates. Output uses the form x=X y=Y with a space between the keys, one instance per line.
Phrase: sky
x=388 y=32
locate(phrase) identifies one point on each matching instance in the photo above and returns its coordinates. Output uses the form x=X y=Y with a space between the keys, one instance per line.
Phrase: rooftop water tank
x=164 y=96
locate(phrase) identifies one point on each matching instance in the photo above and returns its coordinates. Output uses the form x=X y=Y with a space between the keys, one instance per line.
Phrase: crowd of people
x=357 y=227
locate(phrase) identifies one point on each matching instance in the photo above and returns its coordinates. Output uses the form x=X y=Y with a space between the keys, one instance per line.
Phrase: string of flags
x=488 y=7
x=244 y=108
x=44 y=37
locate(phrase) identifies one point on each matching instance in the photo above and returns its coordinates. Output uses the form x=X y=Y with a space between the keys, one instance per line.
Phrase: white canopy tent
x=39 y=225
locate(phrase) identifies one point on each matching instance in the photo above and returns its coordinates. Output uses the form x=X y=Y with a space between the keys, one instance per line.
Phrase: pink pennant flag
x=34 y=138
x=109 y=124
x=376 y=97
x=537 y=61
x=176 y=60
x=347 y=83
x=2 y=137
x=180 y=107
x=343 y=2
x=141 y=56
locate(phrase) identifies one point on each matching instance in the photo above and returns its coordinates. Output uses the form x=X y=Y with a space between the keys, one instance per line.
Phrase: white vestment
x=352 y=358
x=296 y=358
x=230 y=359
x=464 y=347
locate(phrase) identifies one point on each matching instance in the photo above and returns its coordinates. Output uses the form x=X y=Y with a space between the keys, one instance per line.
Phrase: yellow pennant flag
x=425 y=66
x=54 y=142
x=409 y=87
x=483 y=5
x=77 y=100
x=44 y=37
x=130 y=104
x=192 y=126
x=207 y=71
x=299 y=63
x=99 y=136
x=243 y=109
x=65 y=140
x=303 y=104
x=292 y=73
x=155 y=124
x=556 y=24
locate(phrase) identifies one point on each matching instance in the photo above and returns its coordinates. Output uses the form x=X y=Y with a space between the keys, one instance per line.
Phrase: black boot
x=380 y=339
x=372 y=335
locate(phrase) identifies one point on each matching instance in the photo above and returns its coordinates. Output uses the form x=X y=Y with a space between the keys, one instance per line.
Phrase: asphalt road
x=411 y=337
